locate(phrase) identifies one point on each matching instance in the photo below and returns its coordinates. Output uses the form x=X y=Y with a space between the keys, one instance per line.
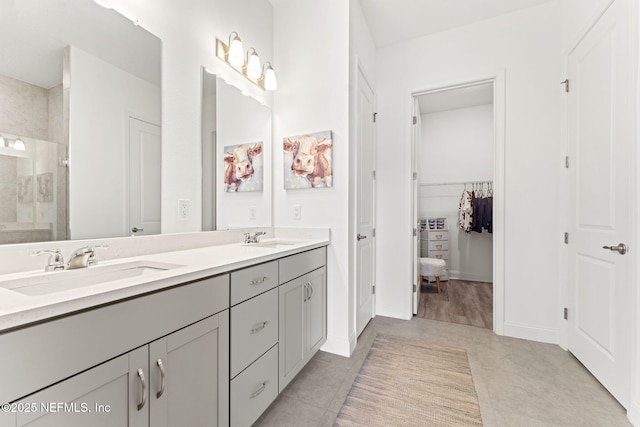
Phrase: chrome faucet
x=248 y=238
x=84 y=257
x=56 y=260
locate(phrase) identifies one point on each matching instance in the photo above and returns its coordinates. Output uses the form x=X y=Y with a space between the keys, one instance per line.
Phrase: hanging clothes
x=465 y=211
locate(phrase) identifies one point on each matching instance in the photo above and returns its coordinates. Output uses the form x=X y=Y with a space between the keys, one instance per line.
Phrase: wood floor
x=461 y=301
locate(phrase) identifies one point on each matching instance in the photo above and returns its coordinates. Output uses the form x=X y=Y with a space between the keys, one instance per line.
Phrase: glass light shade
x=2 y=141
x=270 y=82
x=236 y=52
x=254 y=70
x=19 y=145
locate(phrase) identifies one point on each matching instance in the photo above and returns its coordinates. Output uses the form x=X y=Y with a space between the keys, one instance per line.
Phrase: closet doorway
x=454 y=154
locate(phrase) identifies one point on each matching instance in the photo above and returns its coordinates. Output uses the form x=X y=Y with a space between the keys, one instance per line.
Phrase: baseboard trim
x=470 y=277
x=339 y=346
x=531 y=333
x=633 y=414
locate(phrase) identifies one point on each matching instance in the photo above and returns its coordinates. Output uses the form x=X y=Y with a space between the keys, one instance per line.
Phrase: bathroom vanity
x=204 y=336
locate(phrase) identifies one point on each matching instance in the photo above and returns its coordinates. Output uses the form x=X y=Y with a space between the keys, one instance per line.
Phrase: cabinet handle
x=306 y=293
x=310 y=290
x=258 y=281
x=260 y=327
x=163 y=377
x=143 y=381
x=259 y=391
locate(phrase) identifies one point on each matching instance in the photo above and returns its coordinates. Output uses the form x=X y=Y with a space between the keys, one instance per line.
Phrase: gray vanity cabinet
x=303 y=308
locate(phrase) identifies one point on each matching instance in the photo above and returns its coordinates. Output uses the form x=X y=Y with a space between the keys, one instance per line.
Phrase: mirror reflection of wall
x=76 y=74
x=237 y=158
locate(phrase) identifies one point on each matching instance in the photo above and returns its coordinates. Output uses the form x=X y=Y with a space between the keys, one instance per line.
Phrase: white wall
x=313 y=58
x=525 y=46
x=102 y=97
x=457 y=146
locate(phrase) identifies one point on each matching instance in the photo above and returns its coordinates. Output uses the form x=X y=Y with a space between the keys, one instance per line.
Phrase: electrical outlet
x=184 y=208
x=297 y=212
x=252 y=212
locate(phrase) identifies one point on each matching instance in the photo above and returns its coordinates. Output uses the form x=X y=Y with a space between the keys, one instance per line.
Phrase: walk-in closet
x=454 y=151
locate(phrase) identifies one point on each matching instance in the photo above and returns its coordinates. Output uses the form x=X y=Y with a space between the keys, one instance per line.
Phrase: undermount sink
x=276 y=244
x=58 y=281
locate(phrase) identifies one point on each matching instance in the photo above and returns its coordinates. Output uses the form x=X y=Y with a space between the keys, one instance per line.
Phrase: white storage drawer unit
x=435 y=244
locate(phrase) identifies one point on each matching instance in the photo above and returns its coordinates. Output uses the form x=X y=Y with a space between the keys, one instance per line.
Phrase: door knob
x=360 y=237
x=136 y=229
x=621 y=248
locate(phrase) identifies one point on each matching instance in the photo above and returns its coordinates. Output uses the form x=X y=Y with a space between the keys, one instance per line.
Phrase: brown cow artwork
x=307 y=161
x=243 y=168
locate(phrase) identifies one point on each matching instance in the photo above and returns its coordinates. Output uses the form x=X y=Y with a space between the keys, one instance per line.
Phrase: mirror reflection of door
x=144 y=175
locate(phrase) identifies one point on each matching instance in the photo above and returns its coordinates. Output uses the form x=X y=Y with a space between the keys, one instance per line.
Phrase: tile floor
x=519 y=383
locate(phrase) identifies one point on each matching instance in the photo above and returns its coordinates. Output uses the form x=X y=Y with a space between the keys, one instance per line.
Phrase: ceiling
x=451 y=99
x=398 y=20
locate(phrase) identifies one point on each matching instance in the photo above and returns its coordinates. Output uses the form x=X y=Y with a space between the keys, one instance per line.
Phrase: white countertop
x=17 y=309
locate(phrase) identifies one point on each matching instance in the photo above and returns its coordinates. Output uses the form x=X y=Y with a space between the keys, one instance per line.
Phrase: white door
x=600 y=148
x=144 y=177
x=365 y=193
x=415 y=254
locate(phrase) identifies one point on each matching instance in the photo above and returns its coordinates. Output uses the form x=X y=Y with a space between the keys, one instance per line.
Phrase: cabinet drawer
x=296 y=265
x=439 y=255
x=439 y=245
x=439 y=235
x=254 y=389
x=252 y=281
x=254 y=329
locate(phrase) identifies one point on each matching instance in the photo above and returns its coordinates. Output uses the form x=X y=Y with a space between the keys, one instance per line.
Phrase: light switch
x=297 y=212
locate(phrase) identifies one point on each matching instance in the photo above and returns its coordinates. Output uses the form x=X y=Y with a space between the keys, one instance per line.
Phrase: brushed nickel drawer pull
x=260 y=327
x=259 y=391
x=258 y=281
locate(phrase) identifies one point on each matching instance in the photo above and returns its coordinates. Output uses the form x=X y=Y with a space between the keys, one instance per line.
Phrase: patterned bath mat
x=405 y=382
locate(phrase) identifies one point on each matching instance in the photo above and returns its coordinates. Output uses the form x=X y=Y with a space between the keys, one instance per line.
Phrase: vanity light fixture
x=254 y=70
x=235 y=54
x=249 y=65
x=269 y=77
x=19 y=145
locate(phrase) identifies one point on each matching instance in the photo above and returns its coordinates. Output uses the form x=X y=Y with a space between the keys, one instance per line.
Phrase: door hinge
x=373 y=289
x=374 y=174
x=415 y=120
x=374 y=117
x=415 y=288
x=566 y=237
x=566 y=162
x=566 y=313
x=415 y=176
x=566 y=85
x=373 y=233
x=415 y=232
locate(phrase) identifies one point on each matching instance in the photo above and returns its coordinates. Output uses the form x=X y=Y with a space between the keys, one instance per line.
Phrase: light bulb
x=270 y=82
x=19 y=145
x=254 y=70
x=236 y=51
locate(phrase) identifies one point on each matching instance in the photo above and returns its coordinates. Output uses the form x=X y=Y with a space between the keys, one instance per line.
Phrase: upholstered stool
x=432 y=267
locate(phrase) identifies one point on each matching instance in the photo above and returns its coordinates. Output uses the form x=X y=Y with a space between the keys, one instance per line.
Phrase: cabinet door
x=189 y=375
x=291 y=324
x=97 y=397
x=316 y=311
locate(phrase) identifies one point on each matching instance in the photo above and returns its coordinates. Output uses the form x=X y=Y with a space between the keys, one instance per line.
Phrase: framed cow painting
x=243 y=169
x=307 y=160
